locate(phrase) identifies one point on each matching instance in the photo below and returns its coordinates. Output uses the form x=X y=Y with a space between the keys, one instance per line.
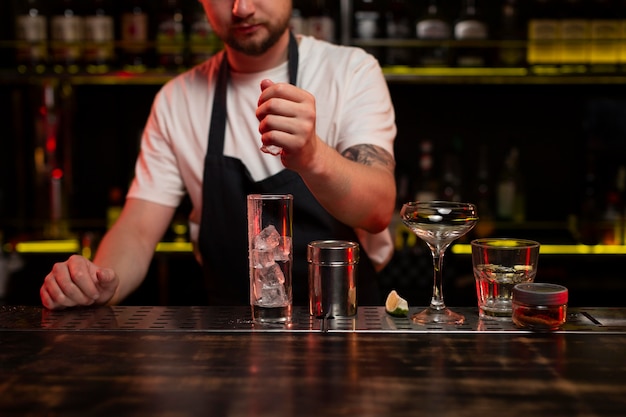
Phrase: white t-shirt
x=353 y=107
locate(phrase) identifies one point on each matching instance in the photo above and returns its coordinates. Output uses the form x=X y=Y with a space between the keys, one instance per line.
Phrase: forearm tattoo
x=370 y=155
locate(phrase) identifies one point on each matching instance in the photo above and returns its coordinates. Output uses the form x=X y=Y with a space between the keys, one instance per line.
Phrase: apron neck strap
x=217 y=131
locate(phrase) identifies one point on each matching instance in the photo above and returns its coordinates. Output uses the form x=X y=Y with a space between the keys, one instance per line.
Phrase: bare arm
x=358 y=187
x=129 y=246
x=120 y=264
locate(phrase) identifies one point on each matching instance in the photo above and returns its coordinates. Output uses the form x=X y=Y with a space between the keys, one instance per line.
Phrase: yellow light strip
x=73 y=246
x=466 y=249
x=48 y=246
x=174 y=247
x=453 y=71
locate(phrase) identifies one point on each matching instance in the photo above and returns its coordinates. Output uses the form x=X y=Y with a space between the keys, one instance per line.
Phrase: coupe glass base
x=437 y=316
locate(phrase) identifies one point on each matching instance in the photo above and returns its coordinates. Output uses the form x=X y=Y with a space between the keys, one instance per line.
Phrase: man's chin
x=250 y=46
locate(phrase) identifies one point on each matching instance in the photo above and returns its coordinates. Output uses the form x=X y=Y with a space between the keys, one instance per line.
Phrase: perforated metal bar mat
x=238 y=319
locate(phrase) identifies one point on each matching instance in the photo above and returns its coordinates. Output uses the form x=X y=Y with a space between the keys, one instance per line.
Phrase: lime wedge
x=396 y=305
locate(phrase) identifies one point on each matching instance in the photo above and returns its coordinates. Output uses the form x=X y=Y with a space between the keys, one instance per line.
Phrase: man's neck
x=276 y=55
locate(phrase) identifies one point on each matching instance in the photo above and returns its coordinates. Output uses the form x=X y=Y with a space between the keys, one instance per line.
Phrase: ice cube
x=283 y=250
x=272 y=149
x=273 y=296
x=267 y=239
x=272 y=275
x=266 y=280
x=262 y=258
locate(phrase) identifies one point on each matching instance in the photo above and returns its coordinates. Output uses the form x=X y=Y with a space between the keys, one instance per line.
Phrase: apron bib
x=223 y=239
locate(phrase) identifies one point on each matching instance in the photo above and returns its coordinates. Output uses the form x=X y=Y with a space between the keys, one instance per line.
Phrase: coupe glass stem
x=436 y=301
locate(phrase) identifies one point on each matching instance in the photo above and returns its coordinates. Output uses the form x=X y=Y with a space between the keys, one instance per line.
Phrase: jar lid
x=536 y=293
x=333 y=252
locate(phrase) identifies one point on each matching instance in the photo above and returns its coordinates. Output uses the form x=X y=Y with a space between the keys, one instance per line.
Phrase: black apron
x=223 y=240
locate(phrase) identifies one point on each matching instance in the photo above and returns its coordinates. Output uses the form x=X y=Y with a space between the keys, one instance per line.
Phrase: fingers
x=282 y=98
x=72 y=283
x=266 y=83
x=284 y=107
x=105 y=276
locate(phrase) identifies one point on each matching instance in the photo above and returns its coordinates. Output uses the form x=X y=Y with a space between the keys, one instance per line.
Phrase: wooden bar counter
x=202 y=361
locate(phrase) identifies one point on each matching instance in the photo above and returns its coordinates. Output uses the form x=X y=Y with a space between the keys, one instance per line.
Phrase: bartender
x=271 y=113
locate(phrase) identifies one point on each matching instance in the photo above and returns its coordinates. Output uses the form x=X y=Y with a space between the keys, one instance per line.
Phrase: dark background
x=556 y=127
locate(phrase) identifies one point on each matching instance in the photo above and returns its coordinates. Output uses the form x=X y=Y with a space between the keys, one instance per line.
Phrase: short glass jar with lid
x=539 y=306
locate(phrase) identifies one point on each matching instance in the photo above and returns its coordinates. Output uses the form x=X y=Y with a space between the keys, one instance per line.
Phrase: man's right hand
x=78 y=282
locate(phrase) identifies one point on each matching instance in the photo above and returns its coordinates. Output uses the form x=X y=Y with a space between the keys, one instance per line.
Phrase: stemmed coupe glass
x=438 y=223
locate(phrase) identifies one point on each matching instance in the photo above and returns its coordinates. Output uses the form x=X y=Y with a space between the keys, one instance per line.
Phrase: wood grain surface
x=128 y=373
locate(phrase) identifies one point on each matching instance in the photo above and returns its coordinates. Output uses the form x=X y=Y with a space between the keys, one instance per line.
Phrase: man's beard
x=252 y=48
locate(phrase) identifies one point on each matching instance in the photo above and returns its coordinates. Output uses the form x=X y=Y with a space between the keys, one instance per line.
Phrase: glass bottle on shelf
x=31 y=34
x=471 y=27
x=575 y=31
x=510 y=198
x=606 y=31
x=67 y=35
x=512 y=35
x=99 y=52
x=483 y=195
x=622 y=41
x=588 y=230
x=451 y=180
x=203 y=42
x=367 y=24
x=134 y=36
x=544 y=32
x=613 y=216
x=50 y=199
x=434 y=28
x=170 y=36
x=320 y=23
x=398 y=24
x=298 y=21
x=427 y=188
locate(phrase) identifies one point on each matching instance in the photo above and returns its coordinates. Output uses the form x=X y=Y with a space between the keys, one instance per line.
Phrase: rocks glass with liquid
x=270 y=256
x=499 y=264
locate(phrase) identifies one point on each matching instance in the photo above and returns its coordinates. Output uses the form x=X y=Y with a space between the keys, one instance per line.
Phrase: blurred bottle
x=471 y=26
x=170 y=36
x=50 y=183
x=452 y=172
x=367 y=24
x=99 y=52
x=589 y=209
x=511 y=197
x=31 y=33
x=134 y=36
x=483 y=195
x=67 y=29
x=203 y=42
x=613 y=216
x=398 y=25
x=320 y=23
x=606 y=32
x=298 y=21
x=433 y=27
x=427 y=188
x=620 y=185
x=544 y=37
x=622 y=42
x=575 y=34
x=114 y=209
x=512 y=34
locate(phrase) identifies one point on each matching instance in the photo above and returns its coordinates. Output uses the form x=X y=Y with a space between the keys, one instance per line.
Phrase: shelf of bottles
x=536 y=41
x=106 y=41
x=441 y=41
x=139 y=41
